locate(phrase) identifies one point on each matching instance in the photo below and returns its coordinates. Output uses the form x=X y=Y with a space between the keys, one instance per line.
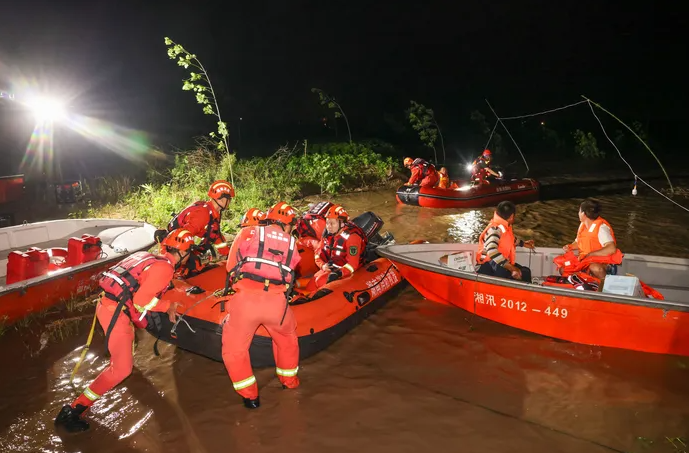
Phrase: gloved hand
x=335 y=275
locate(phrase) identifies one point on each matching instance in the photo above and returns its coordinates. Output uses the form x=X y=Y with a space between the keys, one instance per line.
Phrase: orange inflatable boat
x=322 y=317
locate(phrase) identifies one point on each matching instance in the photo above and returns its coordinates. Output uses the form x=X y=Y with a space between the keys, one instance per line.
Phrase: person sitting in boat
x=310 y=228
x=595 y=242
x=497 y=245
x=481 y=173
x=422 y=173
x=130 y=289
x=443 y=179
x=202 y=219
x=261 y=263
x=341 y=249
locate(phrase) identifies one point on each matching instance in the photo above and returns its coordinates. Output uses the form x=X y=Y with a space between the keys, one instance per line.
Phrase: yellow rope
x=85 y=350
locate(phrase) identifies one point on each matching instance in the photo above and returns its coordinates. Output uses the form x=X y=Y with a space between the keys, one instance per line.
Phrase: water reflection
x=467 y=226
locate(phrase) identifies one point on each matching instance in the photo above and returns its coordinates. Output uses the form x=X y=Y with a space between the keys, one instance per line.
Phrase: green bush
x=260 y=182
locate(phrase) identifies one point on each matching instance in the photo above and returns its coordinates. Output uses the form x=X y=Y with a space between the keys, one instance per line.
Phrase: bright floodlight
x=47 y=109
x=469 y=168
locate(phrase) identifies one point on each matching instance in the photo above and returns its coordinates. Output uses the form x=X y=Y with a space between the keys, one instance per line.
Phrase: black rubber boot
x=252 y=404
x=68 y=418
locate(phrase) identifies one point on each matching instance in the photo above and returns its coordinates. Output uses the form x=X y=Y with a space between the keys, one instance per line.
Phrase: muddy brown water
x=415 y=376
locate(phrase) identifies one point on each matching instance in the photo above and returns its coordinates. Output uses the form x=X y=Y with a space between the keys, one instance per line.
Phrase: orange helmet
x=487 y=153
x=282 y=213
x=221 y=189
x=179 y=239
x=253 y=217
x=336 y=211
x=408 y=161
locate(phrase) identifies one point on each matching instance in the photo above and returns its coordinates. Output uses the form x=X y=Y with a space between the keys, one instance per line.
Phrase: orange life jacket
x=587 y=238
x=506 y=245
x=444 y=181
x=334 y=251
x=571 y=263
x=120 y=282
x=212 y=231
x=312 y=224
x=268 y=256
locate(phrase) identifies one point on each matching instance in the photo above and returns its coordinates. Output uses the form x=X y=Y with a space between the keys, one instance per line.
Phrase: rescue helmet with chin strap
x=179 y=240
x=281 y=213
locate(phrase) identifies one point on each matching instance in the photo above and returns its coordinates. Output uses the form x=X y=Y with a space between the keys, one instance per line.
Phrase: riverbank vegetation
x=289 y=174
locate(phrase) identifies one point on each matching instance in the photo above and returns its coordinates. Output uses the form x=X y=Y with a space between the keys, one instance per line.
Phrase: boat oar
x=85 y=350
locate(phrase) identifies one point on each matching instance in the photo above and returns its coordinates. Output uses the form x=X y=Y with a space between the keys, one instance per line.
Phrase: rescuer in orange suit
x=261 y=263
x=130 y=289
x=480 y=168
x=422 y=173
x=202 y=219
x=497 y=246
x=340 y=251
x=310 y=228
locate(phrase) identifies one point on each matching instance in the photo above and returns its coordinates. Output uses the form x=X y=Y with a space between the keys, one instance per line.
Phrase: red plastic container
x=84 y=249
x=25 y=265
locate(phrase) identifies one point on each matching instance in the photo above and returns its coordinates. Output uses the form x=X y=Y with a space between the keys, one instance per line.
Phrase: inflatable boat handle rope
x=173 y=331
x=350 y=295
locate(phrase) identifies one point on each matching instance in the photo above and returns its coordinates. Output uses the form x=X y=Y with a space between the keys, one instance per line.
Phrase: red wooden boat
x=44 y=263
x=470 y=196
x=587 y=317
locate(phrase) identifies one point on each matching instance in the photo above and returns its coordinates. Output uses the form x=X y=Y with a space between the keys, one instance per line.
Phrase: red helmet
x=253 y=217
x=281 y=213
x=408 y=161
x=336 y=211
x=221 y=189
x=487 y=153
x=179 y=239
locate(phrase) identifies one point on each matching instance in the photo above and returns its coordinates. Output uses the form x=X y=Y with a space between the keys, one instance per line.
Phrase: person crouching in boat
x=310 y=228
x=443 y=179
x=595 y=242
x=422 y=173
x=202 y=219
x=340 y=252
x=131 y=288
x=261 y=263
x=480 y=168
x=497 y=246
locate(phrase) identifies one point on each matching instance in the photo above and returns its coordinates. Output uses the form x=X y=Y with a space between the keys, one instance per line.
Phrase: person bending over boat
x=130 y=289
x=202 y=219
x=422 y=173
x=340 y=252
x=481 y=172
x=497 y=245
x=261 y=263
x=595 y=242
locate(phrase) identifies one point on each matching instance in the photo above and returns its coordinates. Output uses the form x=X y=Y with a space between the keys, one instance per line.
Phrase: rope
x=628 y=165
x=543 y=112
x=491 y=134
x=85 y=350
x=590 y=104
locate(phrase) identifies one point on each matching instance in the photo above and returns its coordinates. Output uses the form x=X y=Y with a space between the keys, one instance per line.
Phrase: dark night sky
x=264 y=56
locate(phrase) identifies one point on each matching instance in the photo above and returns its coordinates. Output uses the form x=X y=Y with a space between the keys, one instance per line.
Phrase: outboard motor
x=371 y=224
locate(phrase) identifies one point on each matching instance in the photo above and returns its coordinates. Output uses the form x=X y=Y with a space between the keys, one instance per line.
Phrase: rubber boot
x=69 y=419
x=252 y=404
